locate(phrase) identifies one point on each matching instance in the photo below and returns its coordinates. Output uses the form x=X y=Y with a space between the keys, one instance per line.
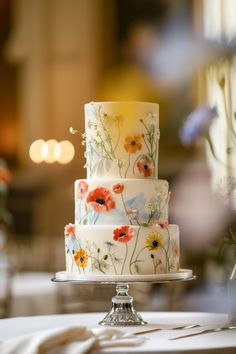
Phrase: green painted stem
x=127 y=166
x=126 y=252
x=134 y=249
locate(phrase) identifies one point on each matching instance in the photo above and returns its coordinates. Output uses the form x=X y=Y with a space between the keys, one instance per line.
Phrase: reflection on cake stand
x=122 y=312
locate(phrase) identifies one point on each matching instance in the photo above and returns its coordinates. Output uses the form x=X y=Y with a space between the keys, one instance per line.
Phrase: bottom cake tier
x=121 y=250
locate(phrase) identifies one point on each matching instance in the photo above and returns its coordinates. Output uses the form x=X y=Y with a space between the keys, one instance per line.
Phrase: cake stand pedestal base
x=122 y=312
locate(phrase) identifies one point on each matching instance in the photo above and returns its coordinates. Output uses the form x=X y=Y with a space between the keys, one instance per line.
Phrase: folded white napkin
x=68 y=340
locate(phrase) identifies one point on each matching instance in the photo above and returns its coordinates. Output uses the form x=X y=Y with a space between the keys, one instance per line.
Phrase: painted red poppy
x=145 y=166
x=69 y=230
x=118 y=188
x=100 y=200
x=124 y=234
x=163 y=224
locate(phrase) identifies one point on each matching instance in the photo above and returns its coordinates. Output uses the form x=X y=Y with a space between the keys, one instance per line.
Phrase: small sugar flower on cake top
x=124 y=234
x=82 y=189
x=133 y=143
x=153 y=242
x=100 y=200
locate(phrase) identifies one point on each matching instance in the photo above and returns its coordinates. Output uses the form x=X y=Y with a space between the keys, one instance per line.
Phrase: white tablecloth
x=158 y=342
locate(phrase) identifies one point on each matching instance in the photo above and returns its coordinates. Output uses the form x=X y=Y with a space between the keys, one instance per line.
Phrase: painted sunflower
x=81 y=258
x=124 y=234
x=153 y=242
x=100 y=200
x=133 y=144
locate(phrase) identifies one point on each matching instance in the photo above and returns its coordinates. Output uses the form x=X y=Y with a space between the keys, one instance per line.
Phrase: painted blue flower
x=73 y=244
x=138 y=202
x=197 y=124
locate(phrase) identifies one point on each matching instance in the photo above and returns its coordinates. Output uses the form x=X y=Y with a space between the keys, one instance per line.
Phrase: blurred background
x=55 y=56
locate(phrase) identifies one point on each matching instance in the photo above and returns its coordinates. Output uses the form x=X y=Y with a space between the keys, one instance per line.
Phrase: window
x=219 y=25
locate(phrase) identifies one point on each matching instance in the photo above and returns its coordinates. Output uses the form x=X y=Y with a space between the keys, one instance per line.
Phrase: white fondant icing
x=132 y=201
x=121 y=210
x=122 y=250
x=182 y=274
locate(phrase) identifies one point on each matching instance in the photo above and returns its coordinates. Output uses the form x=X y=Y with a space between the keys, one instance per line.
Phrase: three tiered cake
x=121 y=209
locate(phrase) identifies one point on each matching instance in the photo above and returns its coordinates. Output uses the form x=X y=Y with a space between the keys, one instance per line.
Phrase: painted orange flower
x=100 y=200
x=118 y=188
x=145 y=166
x=82 y=189
x=81 y=258
x=69 y=230
x=133 y=143
x=124 y=234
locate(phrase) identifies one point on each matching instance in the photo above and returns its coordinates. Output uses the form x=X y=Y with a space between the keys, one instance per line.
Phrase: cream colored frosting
x=122 y=139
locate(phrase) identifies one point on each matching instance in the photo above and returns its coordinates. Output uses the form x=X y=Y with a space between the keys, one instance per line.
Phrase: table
x=158 y=342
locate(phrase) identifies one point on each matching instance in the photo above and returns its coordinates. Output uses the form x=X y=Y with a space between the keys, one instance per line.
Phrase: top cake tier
x=122 y=139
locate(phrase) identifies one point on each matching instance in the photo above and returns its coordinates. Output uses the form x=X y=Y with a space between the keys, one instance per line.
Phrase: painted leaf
x=139 y=202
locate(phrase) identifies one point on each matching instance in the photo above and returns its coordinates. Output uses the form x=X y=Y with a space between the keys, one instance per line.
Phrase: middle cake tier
x=121 y=201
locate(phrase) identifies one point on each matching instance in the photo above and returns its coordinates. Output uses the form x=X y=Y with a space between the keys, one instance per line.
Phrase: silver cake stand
x=122 y=312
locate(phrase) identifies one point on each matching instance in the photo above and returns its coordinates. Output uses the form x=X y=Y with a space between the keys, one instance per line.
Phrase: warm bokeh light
x=37 y=150
x=51 y=151
x=44 y=151
x=64 y=152
x=49 y=156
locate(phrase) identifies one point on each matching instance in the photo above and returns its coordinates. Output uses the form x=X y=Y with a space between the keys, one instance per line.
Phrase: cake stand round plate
x=183 y=274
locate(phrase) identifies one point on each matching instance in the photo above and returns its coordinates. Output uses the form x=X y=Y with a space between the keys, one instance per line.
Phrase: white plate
x=183 y=274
